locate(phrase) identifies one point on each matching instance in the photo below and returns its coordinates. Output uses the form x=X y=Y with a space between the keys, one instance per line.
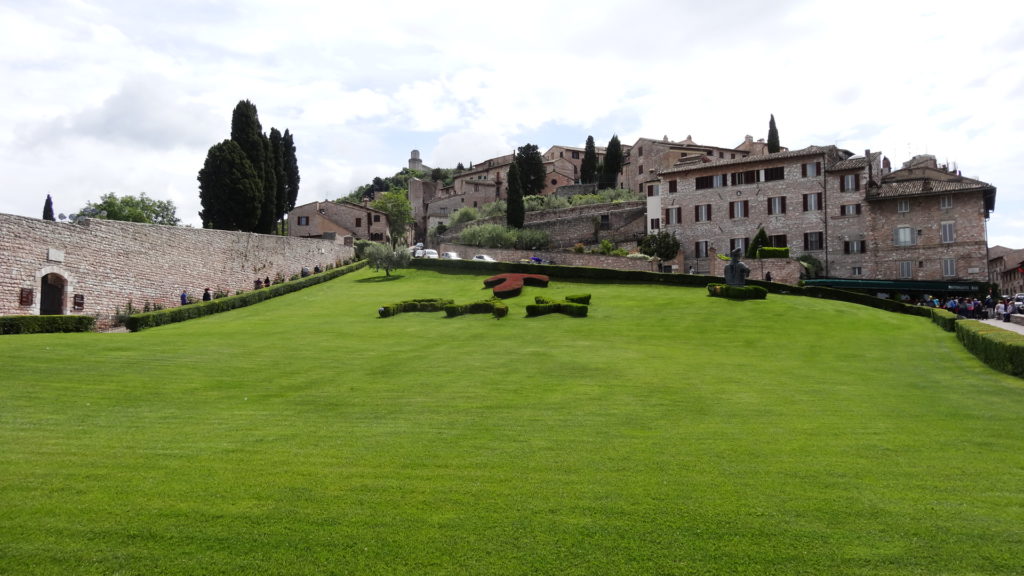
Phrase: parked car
x=450 y=256
x=430 y=253
x=483 y=258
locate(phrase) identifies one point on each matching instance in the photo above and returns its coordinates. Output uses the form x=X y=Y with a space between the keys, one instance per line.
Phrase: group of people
x=207 y=296
x=972 y=308
x=261 y=283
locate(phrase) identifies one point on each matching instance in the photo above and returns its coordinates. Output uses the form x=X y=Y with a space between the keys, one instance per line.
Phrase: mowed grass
x=667 y=433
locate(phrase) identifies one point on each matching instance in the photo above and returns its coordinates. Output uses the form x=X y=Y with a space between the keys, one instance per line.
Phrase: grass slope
x=667 y=433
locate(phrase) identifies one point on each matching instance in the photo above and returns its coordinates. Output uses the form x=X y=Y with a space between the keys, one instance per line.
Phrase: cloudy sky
x=127 y=96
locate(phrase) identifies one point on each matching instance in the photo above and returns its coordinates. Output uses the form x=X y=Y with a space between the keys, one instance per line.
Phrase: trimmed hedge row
x=145 y=320
x=45 y=324
x=414 y=305
x=1001 y=349
x=944 y=318
x=737 y=292
x=772 y=252
x=548 y=306
x=493 y=306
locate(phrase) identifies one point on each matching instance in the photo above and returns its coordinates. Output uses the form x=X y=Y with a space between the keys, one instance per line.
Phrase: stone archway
x=51 y=294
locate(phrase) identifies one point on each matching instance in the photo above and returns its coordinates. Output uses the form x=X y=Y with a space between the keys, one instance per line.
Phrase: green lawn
x=667 y=433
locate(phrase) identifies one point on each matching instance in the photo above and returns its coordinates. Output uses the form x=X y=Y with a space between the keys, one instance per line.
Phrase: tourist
x=1011 y=309
x=1000 y=310
x=768 y=276
x=184 y=297
x=257 y=284
x=207 y=296
x=266 y=282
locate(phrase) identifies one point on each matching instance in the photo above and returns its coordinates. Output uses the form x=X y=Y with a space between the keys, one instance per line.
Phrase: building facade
x=345 y=221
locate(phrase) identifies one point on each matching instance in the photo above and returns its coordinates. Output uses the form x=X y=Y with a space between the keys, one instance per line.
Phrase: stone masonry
x=101 y=265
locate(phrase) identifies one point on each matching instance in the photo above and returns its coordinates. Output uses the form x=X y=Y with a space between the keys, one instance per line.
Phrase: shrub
x=415 y=305
x=944 y=318
x=578 y=298
x=492 y=306
x=737 y=292
x=771 y=252
x=45 y=324
x=548 y=306
x=1000 y=349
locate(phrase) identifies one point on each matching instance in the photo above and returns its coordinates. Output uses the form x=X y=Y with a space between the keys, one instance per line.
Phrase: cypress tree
x=280 y=179
x=247 y=132
x=773 y=137
x=268 y=208
x=515 y=212
x=48 y=209
x=612 y=164
x=229 y=189
x=531 y=169
x=291 y=170
x=588 y=168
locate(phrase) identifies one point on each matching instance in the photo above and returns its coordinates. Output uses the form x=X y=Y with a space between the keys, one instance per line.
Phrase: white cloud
x=108 y=95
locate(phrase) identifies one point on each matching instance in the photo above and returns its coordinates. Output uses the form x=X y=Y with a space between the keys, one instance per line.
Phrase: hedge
x=547 y=306
x=772 y=252
x=45 y=324
x=1001 y=349
x=493 y=306
x=415 y=305
x=145 y=320
x=944 y=318
x=737 y=292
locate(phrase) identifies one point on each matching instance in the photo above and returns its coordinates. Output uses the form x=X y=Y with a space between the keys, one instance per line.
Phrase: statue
x=736 y=272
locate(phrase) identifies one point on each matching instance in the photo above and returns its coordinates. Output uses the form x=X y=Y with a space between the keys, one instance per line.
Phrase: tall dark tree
x=437 y=174
x=48 y=209
x=588 y=168
x=280 y=178
x=531 y=169
x=773 y=137
x=459 y=167
x=515 y=211
x=612 y=166
x=760 y=241
x=291 y=170
x=268 y=208
x=229 y=189
x=247 y=132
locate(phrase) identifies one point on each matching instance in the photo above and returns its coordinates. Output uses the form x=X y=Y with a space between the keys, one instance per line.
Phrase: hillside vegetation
x=665 y=433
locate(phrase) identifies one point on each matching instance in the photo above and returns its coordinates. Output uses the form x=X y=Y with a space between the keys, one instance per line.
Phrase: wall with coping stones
x=111 y=262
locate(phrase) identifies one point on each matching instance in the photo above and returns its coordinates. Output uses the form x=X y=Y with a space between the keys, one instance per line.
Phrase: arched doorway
x=51 y=294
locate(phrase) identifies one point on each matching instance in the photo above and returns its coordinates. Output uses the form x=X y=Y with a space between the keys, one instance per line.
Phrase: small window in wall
x=849 y=183
x=906 y=269
x=903 y=206
x=575 y=155
x=79 y=301
x=856 y=271
x=700 y=249
x=655 y=223
x=739 y=209
x=652 y=190
x=554 y=182
x=946 y=201
x=850 y=209
x=376 y=217
x=778 y=241
x=303 y=220
x=777 y=205
x=702 y=213
x=740 y=243
x=948 y=267
x=26 y=297
x=810 y=170
x=948 y=232
x=640 y=169
x=359 y=222
x=855 y=247
x=812 y=201
x=673 y=186
x=814 y=240
x=606 y=223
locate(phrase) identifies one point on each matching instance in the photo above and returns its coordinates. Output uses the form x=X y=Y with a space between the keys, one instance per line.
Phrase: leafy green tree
x=48 y=209
x=531 y=169
x=230 y=191
x=467 y=214
x=395 y=203
x=134 y=209
x=437 y=174
x=387 y=257
x=773 y=137
x=588 y=167
x=515 y=212
x=661 y=245
x=760 y=241
x=613 y=160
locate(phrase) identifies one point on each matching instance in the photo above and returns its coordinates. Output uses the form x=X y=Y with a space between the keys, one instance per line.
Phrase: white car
x=430 y=253
x=483 y=258
x=450 y=256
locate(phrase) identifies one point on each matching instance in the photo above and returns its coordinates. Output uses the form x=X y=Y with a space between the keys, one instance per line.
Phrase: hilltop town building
x=343 y=221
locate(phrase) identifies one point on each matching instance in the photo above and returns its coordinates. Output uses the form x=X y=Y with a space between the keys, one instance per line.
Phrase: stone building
x=851 y=214
x=648 y=157
x=1006 y=269
x=345 y=221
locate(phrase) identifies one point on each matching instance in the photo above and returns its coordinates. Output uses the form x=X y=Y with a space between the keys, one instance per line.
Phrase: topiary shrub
x=492 y=306
x=45 y=324
x=414 y=305
x=1001 y=349
x=548 y=306
x=737 y=292
x=509 y=285
x=772 y=252
x=944 y=318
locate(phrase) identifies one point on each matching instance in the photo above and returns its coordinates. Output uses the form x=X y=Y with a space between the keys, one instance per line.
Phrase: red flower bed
x=511 y=284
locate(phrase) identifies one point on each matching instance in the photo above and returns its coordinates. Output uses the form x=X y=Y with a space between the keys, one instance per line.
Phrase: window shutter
x=805 y=202
x=842 y=183
x=665 y=217
x=803 y=170
x=732 y=209
x=679 y=215
x=770 y=211
x=856 y=181
x=746 y=208
x=696 y=213
x=783 y=204
x=863 y=246
x=858 y=209
x=817 y=168
x=709 y=212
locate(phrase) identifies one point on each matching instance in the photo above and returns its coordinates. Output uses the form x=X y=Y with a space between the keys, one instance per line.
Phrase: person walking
x=184 y=297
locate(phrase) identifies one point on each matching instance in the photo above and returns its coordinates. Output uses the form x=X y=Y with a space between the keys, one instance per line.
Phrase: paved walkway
x=1012 y=326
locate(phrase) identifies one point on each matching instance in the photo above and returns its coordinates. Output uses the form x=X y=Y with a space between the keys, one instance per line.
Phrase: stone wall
x=110 y=263
x=561 y=258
